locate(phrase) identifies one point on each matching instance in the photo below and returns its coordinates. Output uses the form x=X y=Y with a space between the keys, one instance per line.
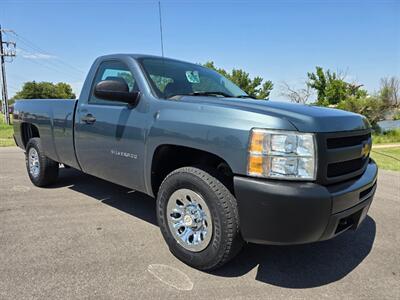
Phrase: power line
x=41 y=64
x=12 y=87
x=38 y=56
x=18 y=76
x=49 y=67
x=35 y=58
x=41 y=51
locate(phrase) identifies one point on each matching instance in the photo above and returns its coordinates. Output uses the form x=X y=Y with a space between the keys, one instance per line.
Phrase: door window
x=113 y=70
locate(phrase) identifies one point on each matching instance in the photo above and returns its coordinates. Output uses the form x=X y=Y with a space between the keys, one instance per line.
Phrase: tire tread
x=227 y=201
x=48 y=167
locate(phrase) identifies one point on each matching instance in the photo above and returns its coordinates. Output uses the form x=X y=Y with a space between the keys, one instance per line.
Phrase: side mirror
x=115 y=90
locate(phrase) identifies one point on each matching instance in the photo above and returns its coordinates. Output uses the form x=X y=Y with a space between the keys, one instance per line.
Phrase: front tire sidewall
x=214 y=252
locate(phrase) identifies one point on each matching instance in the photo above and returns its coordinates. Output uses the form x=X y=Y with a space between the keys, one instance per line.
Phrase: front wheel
x=41 y=169
x=198 y=218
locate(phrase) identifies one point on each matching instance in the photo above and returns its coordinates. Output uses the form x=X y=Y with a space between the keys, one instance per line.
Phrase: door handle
x=88 y=119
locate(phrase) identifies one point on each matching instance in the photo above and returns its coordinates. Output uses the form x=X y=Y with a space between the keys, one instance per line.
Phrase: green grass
x=390 y=137
x=387 y=158
x=6 y=133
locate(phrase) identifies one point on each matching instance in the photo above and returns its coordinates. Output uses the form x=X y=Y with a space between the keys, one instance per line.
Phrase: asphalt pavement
x=87 y=238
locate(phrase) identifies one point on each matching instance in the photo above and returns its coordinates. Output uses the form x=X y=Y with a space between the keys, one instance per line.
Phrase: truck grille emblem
x=365 y=150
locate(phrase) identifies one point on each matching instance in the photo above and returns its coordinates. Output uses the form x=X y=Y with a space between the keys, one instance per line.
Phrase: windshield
x=171 y=78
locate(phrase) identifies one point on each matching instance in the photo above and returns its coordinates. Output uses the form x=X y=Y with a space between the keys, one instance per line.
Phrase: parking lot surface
x=87 y=238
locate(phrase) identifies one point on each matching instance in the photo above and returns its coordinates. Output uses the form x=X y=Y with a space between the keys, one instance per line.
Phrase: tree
x=390 y=91
x=127 y=76
x=333 y=90
x=300 y=95
x=45 y=90
x=331 y=87
x=255 y=87
x=372 y=107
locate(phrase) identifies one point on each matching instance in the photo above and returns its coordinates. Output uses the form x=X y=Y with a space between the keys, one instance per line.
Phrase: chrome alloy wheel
x=189 y=220
x=33 y=161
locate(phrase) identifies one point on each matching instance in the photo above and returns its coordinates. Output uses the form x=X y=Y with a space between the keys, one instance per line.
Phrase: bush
x=371 y=107
x=392 y=136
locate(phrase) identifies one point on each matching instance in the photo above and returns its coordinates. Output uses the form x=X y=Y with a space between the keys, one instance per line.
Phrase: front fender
x=217 y=130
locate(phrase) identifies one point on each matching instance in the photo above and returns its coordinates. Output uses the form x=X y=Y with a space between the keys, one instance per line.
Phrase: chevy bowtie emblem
x=366 y=148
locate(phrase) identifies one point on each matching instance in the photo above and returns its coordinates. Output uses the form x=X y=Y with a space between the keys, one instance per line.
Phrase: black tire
x=226 y=240
x=48 y=168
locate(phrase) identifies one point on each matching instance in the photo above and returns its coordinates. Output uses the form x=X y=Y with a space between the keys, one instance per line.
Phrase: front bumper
x=284 y=212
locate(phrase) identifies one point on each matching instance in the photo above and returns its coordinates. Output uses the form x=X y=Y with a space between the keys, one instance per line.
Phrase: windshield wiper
x=245 y=96
x=216 y=93
x=202 y=94
x=210 y=94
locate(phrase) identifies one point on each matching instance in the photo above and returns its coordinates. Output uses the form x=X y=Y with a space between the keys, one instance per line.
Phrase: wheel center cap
x=187 y=219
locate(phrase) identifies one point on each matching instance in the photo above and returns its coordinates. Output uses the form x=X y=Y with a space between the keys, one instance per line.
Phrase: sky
x=278 y=40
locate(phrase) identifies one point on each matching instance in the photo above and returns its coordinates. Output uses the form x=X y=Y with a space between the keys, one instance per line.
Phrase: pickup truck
x=225 y=168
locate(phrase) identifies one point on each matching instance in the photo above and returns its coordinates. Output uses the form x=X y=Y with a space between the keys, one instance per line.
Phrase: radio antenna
x=161 y=31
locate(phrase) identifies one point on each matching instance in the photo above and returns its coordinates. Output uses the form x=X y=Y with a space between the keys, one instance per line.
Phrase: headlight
x=282 y=154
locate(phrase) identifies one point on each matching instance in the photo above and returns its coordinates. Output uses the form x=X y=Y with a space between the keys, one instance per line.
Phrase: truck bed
x=54 y=119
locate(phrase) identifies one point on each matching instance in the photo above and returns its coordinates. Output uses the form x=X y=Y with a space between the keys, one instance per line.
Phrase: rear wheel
x=198 y=218
x=42 y=170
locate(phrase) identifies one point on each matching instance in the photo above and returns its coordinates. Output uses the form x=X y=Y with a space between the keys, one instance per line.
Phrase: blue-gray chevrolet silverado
x=225 y=168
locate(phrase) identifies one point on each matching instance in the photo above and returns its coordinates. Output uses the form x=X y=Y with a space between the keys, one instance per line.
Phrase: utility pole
x=5 y=51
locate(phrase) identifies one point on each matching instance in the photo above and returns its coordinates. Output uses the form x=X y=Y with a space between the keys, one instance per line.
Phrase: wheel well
x=170 y=157
x=28 y=131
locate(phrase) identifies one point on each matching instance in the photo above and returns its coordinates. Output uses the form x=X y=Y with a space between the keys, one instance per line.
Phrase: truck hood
x=305 y=118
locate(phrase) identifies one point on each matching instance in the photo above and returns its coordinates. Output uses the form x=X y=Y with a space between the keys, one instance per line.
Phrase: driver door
x=109 y=139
